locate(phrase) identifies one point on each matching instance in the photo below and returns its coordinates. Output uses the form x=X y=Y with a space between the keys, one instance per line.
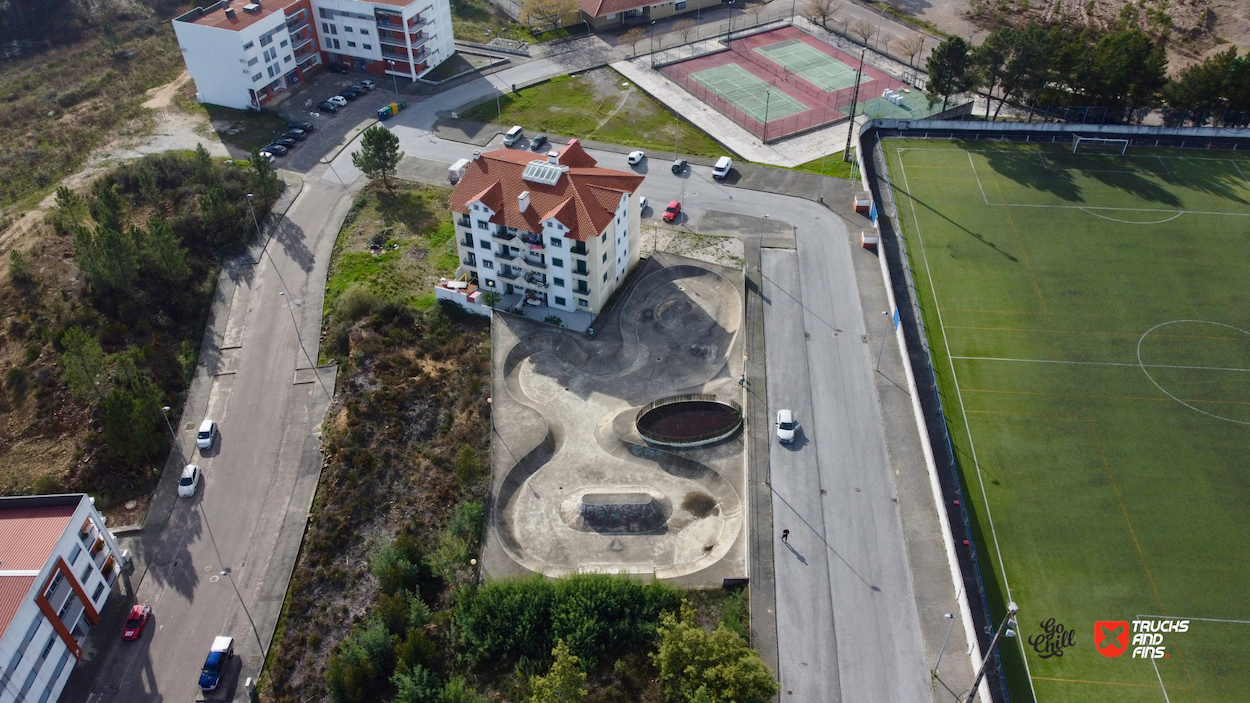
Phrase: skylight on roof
x=542 y=172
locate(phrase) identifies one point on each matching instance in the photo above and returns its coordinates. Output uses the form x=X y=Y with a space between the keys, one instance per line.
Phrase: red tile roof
x=584 y=199
x=13 y=590
x=600 y=8
x=28 y=535
x=215 y=15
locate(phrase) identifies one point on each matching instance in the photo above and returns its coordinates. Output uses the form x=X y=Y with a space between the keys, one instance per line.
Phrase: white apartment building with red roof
x=244 y=54
x=58 y=564
x=556 y=230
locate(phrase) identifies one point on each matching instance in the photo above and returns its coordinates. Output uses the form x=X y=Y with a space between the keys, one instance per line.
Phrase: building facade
x=556 y=230
x=245 y=54
x=609 y=14
x=58 y=565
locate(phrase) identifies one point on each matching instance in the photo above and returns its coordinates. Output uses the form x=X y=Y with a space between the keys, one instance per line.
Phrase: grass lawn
x=242 y=129
x=480 y=21
x=599 y=105
x=831 y=165
x=415 y=244
x=1089 y=329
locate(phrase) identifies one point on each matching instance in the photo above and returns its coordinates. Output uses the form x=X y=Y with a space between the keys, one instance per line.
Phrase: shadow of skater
x=795 y=552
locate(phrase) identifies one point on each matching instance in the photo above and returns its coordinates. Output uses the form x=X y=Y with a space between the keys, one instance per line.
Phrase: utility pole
x=850 y=130
x=768 y=95
x=1010 y=619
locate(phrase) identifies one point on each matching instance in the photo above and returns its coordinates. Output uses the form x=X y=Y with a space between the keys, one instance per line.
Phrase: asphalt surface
x=223 y=560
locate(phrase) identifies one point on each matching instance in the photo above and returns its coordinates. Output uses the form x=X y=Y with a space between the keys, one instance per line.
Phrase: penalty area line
x=1102 y=363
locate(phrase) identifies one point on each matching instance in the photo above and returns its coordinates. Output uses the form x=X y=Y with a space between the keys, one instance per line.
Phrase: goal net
x=1099 y=145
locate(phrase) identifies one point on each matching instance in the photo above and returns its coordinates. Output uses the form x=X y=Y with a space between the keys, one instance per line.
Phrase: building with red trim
x=245 y=54
x=58 y=565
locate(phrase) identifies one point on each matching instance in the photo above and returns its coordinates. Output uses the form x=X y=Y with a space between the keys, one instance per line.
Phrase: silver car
x=786 y=426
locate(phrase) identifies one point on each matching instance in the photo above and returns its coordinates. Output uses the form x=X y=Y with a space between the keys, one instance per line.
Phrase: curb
x=347 y=140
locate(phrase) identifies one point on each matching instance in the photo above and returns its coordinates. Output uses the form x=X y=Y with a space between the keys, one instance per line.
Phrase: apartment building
x=556 y=230
x=244 y=54
x=58 y=565
x=609 y=14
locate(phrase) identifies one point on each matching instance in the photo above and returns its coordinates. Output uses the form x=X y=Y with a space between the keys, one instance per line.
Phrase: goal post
x=1100 y=145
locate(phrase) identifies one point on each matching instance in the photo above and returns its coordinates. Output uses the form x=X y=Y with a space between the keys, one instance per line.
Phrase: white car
x=208 y=432
x=636 y=157
x=337 y=100
x=786 y=426
x=642 y=203
x=189 y=481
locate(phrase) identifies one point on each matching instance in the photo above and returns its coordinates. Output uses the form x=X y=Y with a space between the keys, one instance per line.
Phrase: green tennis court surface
x=748 y=92
x=811 y=64
x=1090 y=334
x=915 y=106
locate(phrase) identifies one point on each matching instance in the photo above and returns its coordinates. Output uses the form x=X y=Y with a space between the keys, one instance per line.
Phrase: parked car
x=338 y=68
x=304 y=125
x=189 y=481
x=266 y=156
x=723 y=165
x=679 y=165
x=366 y=85
x=215 y=664
x=296 y=134
x=338 y=100
x=136 y=621
x=538 y=142
x=672 y=211
x=287 y=142
x=786 y=426
x=275 y=149
x=636 y=157
x=642 y=203
x=350 y=93
x=513 y=135
x=329 y=107
x=208 y=431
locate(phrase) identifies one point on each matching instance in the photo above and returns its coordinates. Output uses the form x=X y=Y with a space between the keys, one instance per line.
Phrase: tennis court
x=750 y=94
x=811 y=64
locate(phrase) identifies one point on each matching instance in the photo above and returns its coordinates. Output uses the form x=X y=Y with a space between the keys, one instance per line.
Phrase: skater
x=785 y=537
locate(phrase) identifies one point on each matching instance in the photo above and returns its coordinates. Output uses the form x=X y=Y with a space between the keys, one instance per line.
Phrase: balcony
x=509 y=273
x=505 y=255
x=578 y=248
x=582 y=288
x=534 y=261
x=535 y=281
x=387 y=19
x=469 y=260
x=467 y=241
x=581 y=268
x=294 y=27
x=503 y=235
x=534 y=241
x=463 y=221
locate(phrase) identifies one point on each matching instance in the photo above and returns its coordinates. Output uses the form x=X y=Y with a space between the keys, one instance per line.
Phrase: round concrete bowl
x=692 y=420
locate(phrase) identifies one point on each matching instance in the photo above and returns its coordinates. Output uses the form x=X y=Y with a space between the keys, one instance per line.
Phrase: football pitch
x=1088 y=317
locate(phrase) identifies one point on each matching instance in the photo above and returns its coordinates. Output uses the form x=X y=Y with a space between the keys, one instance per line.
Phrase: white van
x=457 y=170
x=723 y=164
x=513 y=136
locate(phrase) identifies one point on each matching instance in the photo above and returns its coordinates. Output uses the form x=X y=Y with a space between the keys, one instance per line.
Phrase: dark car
x=538 y=142
x=276 y=149
x=363 y=86
x=337 y=68
x=351 y=93
x=679 y=165
x=305 y=125
x=296 y=134
x=328 y=107
x=287 y=142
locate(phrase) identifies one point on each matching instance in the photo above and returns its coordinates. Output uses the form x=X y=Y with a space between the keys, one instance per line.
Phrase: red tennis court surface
x=823 y=107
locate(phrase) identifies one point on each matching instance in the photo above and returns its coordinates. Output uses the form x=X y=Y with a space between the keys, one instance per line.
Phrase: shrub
x=398 y=565
x=713 y=667
x=20 y=271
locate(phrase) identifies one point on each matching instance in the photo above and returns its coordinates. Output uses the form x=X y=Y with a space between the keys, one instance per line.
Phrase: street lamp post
x=252 y=210
x=499 y=110
x=317 y=127
x=951 y=617
x=165 y=414
x=1010 y=619
x=394 y=80
x=651 y=35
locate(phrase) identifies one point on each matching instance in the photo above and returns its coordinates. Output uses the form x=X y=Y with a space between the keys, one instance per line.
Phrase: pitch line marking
x=1178 y=617
x=1104 y=363
x=998 y=552
x=1089 y=211
x=1166 y=171
x=1100 y=683
x=1163 y=390
x=1243 y=173
x=974 y=174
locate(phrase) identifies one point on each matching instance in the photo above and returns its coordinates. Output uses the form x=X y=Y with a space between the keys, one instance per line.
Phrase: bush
x=20 y=271
x=714 y=667
x=356 y=303
x=355 y=673
x=398 y=565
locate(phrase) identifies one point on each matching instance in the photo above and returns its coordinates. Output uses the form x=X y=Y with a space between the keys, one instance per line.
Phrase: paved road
x=222 y=562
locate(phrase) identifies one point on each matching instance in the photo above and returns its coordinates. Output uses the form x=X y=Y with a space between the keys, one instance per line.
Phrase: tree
x=1221 y=83
x=1125 y=69
x=821 y=11
x=20 y=272
x=949 y=71
x=107 y=257
x=83 y=366
x=632 y=37
x=864 y=30
x=379 y=154
x=547 y=15
x=416 y=685
x=717 y=666
x=911 y=47
x=565 y=683
x=130 y=414
x=108 y=37
x=684 y=28
x=458 y=690
x=263 y=179
x=162 y=253
x=203 y=165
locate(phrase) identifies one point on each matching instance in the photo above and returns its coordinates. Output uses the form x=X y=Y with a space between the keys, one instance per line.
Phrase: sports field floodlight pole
x=850 y=130
x=729 y=34
x=651 y=33
x=1010 y=619
x=768 y=94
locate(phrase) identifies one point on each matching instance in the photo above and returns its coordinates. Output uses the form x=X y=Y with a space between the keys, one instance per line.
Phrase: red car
x=135 y=622
x=672 y=211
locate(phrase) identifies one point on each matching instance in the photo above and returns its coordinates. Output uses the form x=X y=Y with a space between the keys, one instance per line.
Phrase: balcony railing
x=578 y=248
x=582 y=288
x=467 y=241
x=505 y=255
x=535 y=282
x=469 y=260
x=535 y=262
x=504 y=235
x=509 y=273
x=581 y=268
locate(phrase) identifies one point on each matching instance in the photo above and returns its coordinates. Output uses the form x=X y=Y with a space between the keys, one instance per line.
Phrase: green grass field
x=1088 y=320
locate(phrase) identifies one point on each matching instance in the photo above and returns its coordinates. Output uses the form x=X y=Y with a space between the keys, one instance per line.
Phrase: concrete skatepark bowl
x=576 y=486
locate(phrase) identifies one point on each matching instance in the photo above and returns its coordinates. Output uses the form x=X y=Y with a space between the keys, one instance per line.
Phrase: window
x=367 y=47
x=325 y=26
x=334 y=29
x=336 y=44
x=273 y=71
x=73 y=556
x=284 y=43
x=605 y=277
x=481 y=224
x=560 y=301
x=364 y=32
x=485 y=244
x=559 y=283
x=56 y=581
x=287 y=59
x=558 y=263
x=327 y=14
x=679 y=5
x=98 y=590
x=86 y=573
x=557 y=242
x=488 y=264
x=248 y=45
x=604 y=238
x=605 y=257
x=48 y=647
x=351 y=45
x=583 y=303
x=271 y=54
x=347 y=29
x=329 y=44
x=259 y=76
x=253 y=61
x=266 y=40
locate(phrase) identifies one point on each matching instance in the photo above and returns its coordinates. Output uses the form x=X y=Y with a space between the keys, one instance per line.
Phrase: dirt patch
x=699 y=504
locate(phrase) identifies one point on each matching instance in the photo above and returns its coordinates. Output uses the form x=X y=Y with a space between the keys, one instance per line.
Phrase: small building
x=557 y=230
x=58 y=565
x=246 y=53
x=609 y=14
